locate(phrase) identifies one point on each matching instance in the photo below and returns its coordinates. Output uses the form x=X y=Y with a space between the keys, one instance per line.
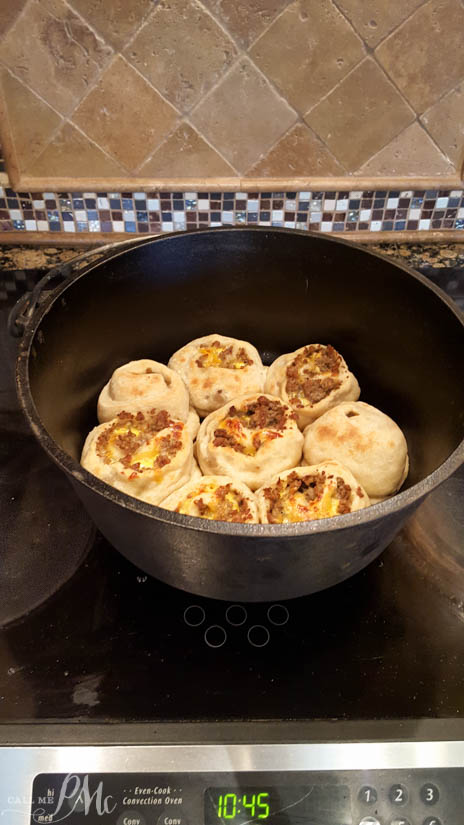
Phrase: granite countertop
x=442 y=262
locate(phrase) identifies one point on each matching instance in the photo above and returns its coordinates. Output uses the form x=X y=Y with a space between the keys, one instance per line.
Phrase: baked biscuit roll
x=251 y=439
x=216 y=369
x=143 y=385
x=366 y=441
x=306 y=493
x=193 y=422
x=146 y=455
x=215 y=497
x=312 y=380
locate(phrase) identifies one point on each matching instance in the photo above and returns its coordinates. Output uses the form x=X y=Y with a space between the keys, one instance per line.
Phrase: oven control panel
x=349 y=797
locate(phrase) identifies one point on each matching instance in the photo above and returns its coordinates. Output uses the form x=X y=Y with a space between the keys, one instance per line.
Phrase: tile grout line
x=389 y=34
x=15 y=21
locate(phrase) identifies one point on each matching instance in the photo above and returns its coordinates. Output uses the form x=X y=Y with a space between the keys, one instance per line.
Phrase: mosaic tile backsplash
x=155 y=212
x=112 y=94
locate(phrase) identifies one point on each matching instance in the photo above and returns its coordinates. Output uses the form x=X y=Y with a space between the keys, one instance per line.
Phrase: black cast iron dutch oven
x=280 y=289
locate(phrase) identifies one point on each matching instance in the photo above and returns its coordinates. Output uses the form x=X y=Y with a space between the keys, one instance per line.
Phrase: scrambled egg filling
x=211 y=357
x=248 y=441
x=300 y=508
x=189 y=506
x=145 y=456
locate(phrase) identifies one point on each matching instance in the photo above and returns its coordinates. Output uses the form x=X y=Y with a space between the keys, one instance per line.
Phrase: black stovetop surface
x=114 y=644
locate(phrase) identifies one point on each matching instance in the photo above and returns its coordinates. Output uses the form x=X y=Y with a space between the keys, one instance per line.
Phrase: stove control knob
x=400 y=820
x=369 y=820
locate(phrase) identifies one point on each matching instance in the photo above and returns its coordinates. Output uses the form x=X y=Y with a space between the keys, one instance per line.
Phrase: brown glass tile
x=426 y=213
x=390 y=214
x=339 y=216
x=376 y=113
x=155 y=226
x=445 y=122
x=70 y=154
x=154 y=216
x=377 y=18
x=192 y=51
x=351 y=226
x=362 y=226
x=28 y=214
x=436 y=223
x=186 y=154
x=40 y=215
x=299 y=152
x=377 y=214
x=265 y=204
x=410 y=153
x=215 y=205
x=245 y=19
x=24 y=109
x=243 y=97
x=290 y=216
x=366 y=203
x=412 y=224
x=429 y=204
x=52 y=50
x=191 y=217
x=307 y=50
x=451 y=213
x=444 y=193
x=116 y=20
x=439 y=213
x=277 y=204
x=203 y=216
x=104 y=214
x=6 y=226
x=113 y=120
x=448 y=223
x=116 y=215
x=326 y=216
x=425 y=56
x=4 y=214
x=315 y=227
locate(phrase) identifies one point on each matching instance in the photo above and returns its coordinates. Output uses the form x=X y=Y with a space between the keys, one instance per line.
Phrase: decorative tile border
x=155 y=212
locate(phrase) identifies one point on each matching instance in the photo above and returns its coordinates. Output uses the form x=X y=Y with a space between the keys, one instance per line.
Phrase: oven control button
x=367 y=795
x=432 y=820
x=131 y=818
x=177 y=818
x=398 y=795
x=429 y=794
x=400 y=820
x=369 y=820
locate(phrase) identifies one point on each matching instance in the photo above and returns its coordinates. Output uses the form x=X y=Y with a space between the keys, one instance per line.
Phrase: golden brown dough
x=143 y=385
x=215 y=497
x=249 y=439
x=312 y=379
x=216 y=369
x=146 y=455
x=306 y=493
x=366 y=441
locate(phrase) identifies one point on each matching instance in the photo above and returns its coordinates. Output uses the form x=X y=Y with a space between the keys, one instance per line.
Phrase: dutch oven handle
x=25 y=307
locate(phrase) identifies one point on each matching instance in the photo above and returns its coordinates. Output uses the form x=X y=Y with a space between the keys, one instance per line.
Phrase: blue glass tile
x=127 y=203
x=2 y=203
x=67 y=216
x=13 y=203
x=215 y=216
x=400 y=225
x=166 y=216
x=290 y=195
x=394 y=193
x=265 y=216
x=54 y=227
x=190 y=204
x=379 y=203
x=431 y=193
x=301 y=217
x=77 y=203
x=10 y=193
x=252 y=217
x=19 y=224
x=381 y=194
x=453 y=202
x=82 y=226
x=459 y=223
x=353 y=215
x=240 y=217
x=75 y=195
x=53 y=216
x=115 y=203
x=387 y=226
x=142 y=216
x=303 y=206
x=354 y=204
x=416 y=202
x=178 y=206
x=130 y=226
x=65 y=203
x=90 y=203
x=338 y=227
x=92 y=214
x=278 y=195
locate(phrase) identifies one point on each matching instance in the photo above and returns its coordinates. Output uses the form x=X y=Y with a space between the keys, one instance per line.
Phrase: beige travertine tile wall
x=228 y=90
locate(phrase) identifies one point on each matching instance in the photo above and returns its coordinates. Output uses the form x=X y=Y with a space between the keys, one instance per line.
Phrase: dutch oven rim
x=72 y=467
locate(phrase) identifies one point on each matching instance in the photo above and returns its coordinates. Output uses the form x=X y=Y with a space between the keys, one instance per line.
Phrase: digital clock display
x=278 y=805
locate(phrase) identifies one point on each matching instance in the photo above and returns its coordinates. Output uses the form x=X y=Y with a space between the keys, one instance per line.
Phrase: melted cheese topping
x=207 y=492
x=250 y=440
x=298 y=507
x=211 y=358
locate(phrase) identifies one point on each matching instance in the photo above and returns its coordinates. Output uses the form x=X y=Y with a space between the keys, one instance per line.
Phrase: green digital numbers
x=263 y=805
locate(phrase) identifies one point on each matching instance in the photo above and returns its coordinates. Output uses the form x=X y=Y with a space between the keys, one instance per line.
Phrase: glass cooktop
x=103 y=641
